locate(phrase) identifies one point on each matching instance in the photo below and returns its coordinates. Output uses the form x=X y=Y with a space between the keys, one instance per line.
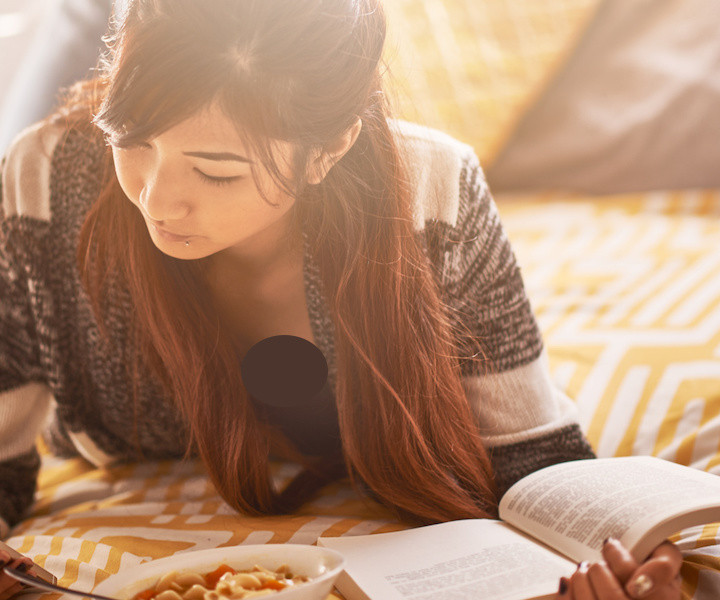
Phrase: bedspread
x=626 y=291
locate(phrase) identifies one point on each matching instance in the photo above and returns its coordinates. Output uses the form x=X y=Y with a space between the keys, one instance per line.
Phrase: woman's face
x=194 y=188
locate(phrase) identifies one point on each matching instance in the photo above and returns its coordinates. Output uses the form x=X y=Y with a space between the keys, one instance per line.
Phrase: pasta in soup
x=221 y=584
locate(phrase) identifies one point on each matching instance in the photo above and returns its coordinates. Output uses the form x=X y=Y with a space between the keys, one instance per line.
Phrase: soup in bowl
x=282 y=571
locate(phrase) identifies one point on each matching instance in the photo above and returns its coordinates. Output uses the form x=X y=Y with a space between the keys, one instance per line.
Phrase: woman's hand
x=9 y=586
x=621 y=577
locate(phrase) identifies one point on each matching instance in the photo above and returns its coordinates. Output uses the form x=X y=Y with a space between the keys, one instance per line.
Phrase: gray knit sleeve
x=24 y=396
x=481 y=280
x=526 y=423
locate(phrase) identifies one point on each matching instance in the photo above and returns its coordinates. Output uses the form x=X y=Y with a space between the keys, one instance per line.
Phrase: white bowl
x=320 y=565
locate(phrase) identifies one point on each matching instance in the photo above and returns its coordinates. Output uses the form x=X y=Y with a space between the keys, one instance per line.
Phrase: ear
x=325 y=159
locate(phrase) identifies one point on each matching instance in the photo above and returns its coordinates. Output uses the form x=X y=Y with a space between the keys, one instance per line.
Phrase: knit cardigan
x=59 y=377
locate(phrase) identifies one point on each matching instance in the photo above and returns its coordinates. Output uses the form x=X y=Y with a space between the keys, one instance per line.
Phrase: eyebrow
x=219 y=156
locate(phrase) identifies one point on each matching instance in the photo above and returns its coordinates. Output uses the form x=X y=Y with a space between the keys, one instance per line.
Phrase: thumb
x=661 y=568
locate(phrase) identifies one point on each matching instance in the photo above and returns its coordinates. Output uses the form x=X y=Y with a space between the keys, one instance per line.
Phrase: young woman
x=231 y=176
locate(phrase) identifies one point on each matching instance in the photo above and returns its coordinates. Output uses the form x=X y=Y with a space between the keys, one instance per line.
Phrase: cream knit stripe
x=434 y=161
x=26 y=180
x=23 y=412
x=519 y=404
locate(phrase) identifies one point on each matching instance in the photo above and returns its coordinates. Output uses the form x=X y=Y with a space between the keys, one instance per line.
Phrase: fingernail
x=640 y=587
x=609 y=540
x=563 y=587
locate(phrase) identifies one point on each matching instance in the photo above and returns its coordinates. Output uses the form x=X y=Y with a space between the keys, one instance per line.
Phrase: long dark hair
x=302 y=71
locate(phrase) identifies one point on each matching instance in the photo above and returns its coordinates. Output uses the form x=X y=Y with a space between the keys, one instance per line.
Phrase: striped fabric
x=89 y=523
x=627 y=293
x=471 y=67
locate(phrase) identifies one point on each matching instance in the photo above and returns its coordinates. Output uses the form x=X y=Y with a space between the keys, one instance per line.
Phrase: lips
x=169 y=235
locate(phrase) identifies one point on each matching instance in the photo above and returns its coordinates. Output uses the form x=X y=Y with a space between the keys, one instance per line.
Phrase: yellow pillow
x=471 y=67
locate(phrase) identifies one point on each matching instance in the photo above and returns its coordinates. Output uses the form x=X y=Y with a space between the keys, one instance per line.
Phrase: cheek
x=128 y=177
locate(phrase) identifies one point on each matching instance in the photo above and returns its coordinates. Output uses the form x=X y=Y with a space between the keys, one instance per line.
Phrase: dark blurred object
x=286 y=376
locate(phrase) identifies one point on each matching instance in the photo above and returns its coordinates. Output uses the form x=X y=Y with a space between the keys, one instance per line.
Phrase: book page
x=639 y=500
x=458 y=560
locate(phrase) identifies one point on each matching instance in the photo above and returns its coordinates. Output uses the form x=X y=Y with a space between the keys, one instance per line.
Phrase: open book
x=550 y=520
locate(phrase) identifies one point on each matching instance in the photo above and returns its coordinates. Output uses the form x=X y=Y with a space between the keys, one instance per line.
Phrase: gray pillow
x=60 y=43
x=636 y=107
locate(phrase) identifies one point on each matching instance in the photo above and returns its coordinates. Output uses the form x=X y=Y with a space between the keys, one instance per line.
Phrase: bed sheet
x=626 y=290
x=627 y=293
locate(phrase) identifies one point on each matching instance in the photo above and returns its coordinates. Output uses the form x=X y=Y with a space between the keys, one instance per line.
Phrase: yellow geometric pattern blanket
x=627 y=293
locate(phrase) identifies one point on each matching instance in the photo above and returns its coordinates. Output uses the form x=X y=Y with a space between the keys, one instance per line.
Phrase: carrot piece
x=273 y=584
x=146 y=594
x=212 y=578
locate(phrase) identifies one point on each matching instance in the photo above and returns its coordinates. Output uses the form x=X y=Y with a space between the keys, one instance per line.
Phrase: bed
x=629 y=310
x=625 y=283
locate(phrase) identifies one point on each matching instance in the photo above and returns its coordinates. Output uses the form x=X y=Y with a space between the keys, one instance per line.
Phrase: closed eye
x=217 y=180
x=128 y=145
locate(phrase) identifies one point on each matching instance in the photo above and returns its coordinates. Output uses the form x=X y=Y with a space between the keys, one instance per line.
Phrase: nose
x=162 y=201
